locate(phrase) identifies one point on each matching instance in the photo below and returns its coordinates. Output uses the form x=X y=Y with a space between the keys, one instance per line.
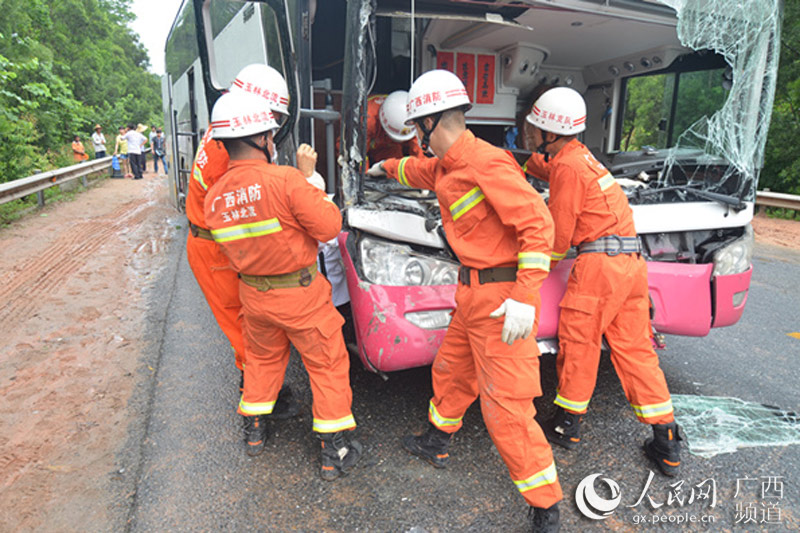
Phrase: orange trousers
x=220 y=286
x=608 y=296
x=472 y=361
x=306 y=317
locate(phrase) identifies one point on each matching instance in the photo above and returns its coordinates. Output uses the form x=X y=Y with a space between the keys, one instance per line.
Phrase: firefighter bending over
x=502 y=233
x=607 y=289
x=267 y=219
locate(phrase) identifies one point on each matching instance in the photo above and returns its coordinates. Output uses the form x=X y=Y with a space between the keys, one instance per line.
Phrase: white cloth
x=519 y=320
x=98 y=142
x=376 y=170
x=135 y=141
x=334 y=271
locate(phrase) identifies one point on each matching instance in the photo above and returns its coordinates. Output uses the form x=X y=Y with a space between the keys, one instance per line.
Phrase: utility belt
x=488 y=275
x=299 y=278
x=611 y=245
x=201 y=233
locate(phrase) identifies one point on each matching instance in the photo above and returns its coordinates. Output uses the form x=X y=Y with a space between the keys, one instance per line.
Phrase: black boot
x=545 y=520
x=431 y=446
x=339 y=454
x=256 y=430
x=286 y=406
x=564 y=429
x=664 y=448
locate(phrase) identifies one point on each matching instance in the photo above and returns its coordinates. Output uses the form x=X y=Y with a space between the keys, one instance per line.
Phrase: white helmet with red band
x=392 y=115
x=560 y=110
x=433 y=92
x=241 y=114
x=264 y=81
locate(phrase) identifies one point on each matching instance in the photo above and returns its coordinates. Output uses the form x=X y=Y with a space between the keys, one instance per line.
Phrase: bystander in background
x=99 y=142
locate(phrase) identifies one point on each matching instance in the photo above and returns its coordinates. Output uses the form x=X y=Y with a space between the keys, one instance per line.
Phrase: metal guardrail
x=44 y=180
x=777 y=199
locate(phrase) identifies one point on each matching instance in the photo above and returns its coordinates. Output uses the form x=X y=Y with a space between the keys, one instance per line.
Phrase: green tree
x=781 y=171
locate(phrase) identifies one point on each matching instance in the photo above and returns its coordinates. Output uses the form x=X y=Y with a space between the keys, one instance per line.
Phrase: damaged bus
x=679 y=96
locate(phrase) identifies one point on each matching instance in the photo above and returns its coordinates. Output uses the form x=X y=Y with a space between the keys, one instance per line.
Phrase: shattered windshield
x=747 y=34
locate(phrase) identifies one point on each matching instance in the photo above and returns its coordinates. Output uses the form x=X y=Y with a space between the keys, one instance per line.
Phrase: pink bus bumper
x=683 y=296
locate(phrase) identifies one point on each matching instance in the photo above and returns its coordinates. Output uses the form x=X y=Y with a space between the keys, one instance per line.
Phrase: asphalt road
x=193 y=474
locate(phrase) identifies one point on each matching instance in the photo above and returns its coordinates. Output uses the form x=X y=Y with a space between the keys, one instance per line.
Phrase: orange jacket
x=491 y=216
x=268 y=218
x=537 y=167
x=78 y=152
x=379 y=145
x=585 y=200
x=210 y=163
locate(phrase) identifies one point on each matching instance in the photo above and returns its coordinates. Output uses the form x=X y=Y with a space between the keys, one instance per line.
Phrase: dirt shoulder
x=77 y=355
x=73 y=312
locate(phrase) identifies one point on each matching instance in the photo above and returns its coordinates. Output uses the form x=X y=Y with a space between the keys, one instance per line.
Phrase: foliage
x=64 y=66
x=781 y=171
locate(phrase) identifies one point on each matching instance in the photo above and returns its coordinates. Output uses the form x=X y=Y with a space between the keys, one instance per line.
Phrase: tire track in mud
x=23 y=289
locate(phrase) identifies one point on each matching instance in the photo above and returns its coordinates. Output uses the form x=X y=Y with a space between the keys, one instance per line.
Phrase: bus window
x=658 y=108
x=181 y=49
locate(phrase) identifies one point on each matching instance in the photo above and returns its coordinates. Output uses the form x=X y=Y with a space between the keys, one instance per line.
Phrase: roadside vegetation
x=66 y=65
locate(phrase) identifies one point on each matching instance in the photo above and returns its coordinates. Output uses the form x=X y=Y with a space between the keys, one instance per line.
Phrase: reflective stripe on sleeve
x=547 y=476
x=578 y=407
x=246 y=231
x=605 y=182
x=249 y=409
x=533 y=260
x=466 y=202
x=198 y=176
x=439 y=421
x=557 y=256
x=401 y=172
x=332 y=426
x=653 y=410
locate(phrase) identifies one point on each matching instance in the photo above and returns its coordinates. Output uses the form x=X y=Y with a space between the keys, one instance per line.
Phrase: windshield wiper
x=735 y=203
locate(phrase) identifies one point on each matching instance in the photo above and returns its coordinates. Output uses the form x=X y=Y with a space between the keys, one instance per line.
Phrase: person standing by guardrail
x=78 y=151
x=121 y=148
x=136 y=142
x=99 y=142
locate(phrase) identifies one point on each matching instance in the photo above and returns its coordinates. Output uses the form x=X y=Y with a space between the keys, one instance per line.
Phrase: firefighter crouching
x=607 y=290
x=213 y=271
x=267 y=219
x=502 y=233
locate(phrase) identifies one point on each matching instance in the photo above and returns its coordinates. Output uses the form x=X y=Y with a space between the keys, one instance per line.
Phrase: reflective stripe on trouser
x=609 y=296
x=220 y=286
x=305 y=317
x=473 y=361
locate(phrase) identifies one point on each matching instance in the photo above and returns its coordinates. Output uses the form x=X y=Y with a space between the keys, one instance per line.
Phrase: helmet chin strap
x=425 y=143
x=264 y=149
x=542 y=148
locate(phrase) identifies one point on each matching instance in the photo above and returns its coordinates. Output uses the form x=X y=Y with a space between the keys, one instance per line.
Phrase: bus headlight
x=397 y=264
x=735 y=257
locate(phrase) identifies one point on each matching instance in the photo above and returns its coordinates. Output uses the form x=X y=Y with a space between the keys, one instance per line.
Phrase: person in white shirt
x=136 y=142
x=99 y=142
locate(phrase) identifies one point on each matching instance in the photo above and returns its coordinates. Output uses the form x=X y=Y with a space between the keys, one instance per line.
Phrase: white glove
x=376 y=170
x=519 y=320
x=316 y=180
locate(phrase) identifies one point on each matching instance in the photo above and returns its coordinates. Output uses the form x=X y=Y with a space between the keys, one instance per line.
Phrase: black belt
x=202 y=233
x=611 y=245
x=488 y=275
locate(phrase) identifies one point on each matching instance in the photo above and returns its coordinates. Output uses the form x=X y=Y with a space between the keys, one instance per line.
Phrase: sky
x=153 y=21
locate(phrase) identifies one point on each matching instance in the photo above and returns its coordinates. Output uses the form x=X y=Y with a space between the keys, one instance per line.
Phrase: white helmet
x=240 y=114
x=433 y=92
x=265 y=81
x=393 y=117
x=560 y=110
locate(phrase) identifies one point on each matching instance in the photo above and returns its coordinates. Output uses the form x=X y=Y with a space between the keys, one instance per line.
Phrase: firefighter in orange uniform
x=607 y=290
x=501 y=231
x=267 y=219
x=211 y=268
x=387 y=133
